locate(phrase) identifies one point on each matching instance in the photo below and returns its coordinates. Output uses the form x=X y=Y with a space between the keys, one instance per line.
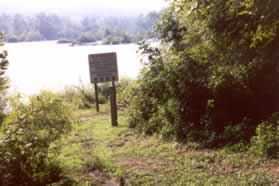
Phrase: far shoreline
x=78 y=43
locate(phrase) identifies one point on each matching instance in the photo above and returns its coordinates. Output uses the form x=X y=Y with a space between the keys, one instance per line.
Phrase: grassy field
x=95 y=153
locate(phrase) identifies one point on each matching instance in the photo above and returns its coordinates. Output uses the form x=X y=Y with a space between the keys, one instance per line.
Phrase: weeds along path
x=97 y=153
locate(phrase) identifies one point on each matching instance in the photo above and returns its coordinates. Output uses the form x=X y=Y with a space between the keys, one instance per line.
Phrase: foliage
x=83 y=97
x=3 y=80
x=217 y=66
x=266 y=141
x=28 y=132
x=118 y=39
x=152 y=107
x=125 y=91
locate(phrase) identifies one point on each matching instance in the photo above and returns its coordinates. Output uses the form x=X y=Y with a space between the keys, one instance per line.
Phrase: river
x=36 y=66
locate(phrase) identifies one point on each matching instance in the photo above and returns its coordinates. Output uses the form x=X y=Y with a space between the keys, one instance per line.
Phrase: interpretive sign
x=103 y=67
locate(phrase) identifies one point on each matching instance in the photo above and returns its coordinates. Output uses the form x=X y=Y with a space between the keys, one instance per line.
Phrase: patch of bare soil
x=273 y=169
x=122 y=140
x=102 y=179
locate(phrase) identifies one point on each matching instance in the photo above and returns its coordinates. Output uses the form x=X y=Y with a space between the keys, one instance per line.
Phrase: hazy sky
x=81 y=7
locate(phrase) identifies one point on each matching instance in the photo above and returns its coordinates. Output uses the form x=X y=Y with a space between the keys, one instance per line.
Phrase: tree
x=218 y=71
x=3 y=80
x=146 y=23
x=48 y=25
x=5 y=24
x=89 y=24
x=19 y=24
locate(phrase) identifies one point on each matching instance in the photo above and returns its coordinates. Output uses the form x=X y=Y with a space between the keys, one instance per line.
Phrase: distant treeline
x=110 y=30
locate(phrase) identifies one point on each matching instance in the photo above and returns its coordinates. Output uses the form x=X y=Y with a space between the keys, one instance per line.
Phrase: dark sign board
x=103 y=67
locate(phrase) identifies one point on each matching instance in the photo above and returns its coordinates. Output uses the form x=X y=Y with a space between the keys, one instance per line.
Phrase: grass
x=95 y=151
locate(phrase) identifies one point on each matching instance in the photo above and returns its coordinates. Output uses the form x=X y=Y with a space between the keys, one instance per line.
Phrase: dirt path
x=120 y=156
x=101 y=178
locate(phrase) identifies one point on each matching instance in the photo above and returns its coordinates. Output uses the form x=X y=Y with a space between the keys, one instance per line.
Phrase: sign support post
x=113 y=105
x=97 y=97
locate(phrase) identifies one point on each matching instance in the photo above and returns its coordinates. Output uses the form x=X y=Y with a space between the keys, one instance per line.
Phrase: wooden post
x=97 y=97
x=113 y=105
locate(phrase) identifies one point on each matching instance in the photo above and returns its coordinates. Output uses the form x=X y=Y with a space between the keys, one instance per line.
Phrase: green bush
x=83 y=97
x=152 y=108
x=27 y=134
x=4 y=83
x=219 y=63
x=104 y=90
x=125 y=91
x=235 y=134
x=266 y=141
x=79 y=97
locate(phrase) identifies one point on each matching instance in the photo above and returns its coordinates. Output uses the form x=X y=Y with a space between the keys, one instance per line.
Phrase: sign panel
x=103 y=67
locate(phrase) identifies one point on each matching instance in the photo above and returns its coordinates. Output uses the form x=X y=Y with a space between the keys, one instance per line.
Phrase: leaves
x=28 y=132
x=219 y=62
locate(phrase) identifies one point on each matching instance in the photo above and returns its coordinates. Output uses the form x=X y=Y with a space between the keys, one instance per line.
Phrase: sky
x=82 y=7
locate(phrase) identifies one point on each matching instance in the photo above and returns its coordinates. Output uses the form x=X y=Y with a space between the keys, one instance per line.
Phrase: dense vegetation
x=26 y=133
x=215 y=78
x=3 y=80
x=112 y=30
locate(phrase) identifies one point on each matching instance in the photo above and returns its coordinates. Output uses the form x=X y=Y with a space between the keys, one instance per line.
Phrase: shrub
x=153 y=107
x=79 y=97
x=28 y=132
x=104 y=90
x=4 y=83
x=83 y=97
x=235 y=134
x=125 y=91
x=86 y=96
x=266 y=141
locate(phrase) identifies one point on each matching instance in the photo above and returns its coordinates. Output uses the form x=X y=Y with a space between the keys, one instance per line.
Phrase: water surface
x=36 y=66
